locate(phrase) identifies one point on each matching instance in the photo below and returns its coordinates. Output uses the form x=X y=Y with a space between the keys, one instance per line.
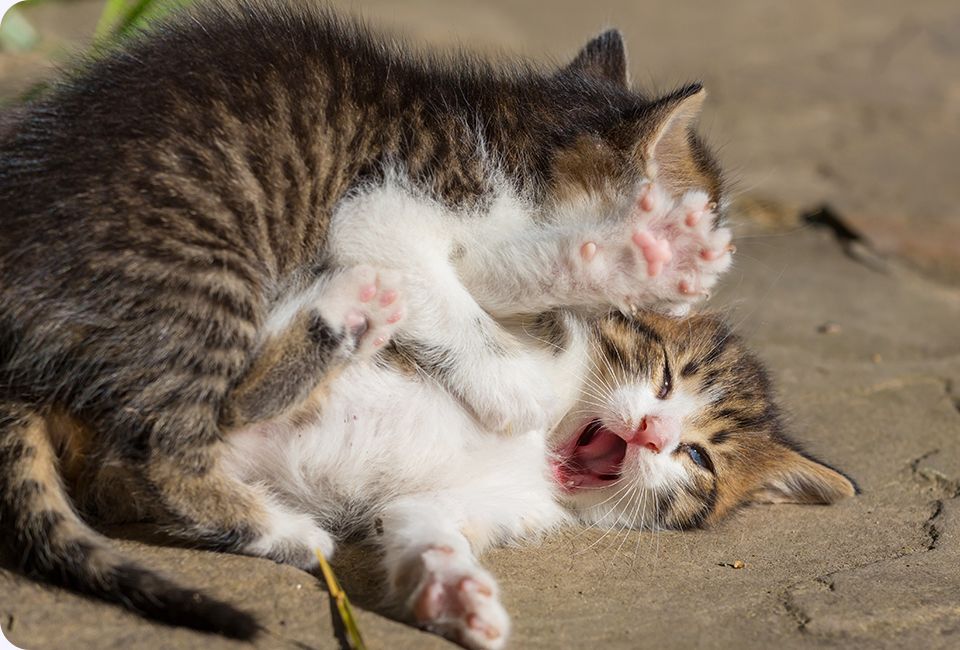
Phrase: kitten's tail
x=44 y=530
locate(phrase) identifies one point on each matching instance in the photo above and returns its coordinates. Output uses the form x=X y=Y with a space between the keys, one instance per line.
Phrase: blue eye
x=699 y=456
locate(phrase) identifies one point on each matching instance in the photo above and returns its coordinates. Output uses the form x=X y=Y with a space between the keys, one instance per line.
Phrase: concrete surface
x=853 y=104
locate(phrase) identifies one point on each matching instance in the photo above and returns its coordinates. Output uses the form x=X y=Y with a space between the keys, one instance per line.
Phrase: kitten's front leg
x=445 y=331
x=667 y=254
x=460 y=345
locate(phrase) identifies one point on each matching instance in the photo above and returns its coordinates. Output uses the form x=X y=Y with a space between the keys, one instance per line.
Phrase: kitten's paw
x=458 y=599
x=367 y=306
x=670 y=254
x=292 y=538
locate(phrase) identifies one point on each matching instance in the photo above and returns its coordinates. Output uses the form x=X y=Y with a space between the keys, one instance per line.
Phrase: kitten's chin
x=590 y=459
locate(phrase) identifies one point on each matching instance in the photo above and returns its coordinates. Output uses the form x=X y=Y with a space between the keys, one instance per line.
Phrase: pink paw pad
x=656 y=252
x=588 y=251
x=367 y=292
x=354 y=320
x=367 y=303
x=388 y=297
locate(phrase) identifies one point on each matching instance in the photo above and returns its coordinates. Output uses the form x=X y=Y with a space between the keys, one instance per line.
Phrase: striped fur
x=158 y=203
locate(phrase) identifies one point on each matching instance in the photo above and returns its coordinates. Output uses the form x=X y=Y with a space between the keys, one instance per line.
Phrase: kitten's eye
x=667 y=380
x=699 y=456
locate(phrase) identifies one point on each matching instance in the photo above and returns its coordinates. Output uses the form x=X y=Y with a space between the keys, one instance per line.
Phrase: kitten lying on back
x=664 y=424
x=177 y=258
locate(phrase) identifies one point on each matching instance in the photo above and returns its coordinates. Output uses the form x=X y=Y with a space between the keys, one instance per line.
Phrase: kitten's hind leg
x=342 y=315
x=205 y=503
x=435 y=578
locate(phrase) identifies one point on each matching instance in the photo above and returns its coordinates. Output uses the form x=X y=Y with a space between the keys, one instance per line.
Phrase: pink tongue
x=603 y=454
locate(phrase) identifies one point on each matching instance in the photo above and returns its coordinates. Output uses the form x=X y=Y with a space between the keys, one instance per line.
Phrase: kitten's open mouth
x=591 y=459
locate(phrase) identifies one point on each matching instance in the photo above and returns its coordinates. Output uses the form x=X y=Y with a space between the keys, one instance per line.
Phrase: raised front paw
x=669 y=254
x=366 y=304
x=459 y=600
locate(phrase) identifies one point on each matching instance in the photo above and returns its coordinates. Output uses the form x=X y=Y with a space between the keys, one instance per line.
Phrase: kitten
x=666 y=424
x=183 y=253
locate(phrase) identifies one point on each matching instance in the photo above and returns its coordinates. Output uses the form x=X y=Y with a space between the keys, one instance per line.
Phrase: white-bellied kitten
x=459 y=272
x=666 y=424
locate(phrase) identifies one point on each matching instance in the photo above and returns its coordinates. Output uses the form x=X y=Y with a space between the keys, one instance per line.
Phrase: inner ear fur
x=667 y=136
x=603 y=57
x=796 y=477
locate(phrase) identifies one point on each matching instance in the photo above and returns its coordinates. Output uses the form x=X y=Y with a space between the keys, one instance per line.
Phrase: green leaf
x=344 y=609
x=16 y=33
x=120 y=17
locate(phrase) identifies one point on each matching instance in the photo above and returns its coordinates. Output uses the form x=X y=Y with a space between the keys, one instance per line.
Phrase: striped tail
x=43 y=529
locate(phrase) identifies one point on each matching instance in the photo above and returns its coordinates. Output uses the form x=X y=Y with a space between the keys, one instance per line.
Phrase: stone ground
x=852 y=105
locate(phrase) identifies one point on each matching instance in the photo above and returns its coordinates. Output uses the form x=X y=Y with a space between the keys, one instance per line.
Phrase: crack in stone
x=794 y=611
x=930 y=525
x=948 y=387
x=927 y=476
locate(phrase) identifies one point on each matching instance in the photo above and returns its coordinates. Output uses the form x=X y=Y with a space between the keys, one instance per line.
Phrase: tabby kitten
x=188 y=227
x=665 y=424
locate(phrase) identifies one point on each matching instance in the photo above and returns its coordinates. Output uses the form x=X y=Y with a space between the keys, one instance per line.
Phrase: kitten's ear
x=604 y=57
x=799 y=478
x=669 y=122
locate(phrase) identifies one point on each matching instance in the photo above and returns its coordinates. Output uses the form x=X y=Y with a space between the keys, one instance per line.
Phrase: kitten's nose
x=657 y=433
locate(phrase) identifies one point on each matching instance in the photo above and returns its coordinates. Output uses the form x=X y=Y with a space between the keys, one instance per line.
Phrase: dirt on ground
x=841 y=124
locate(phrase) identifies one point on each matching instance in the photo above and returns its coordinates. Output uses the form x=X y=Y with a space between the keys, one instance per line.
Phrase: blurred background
x=854 y=104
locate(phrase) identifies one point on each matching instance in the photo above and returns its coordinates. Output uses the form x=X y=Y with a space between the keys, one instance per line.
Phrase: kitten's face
x=619 y=137
x=676 y=427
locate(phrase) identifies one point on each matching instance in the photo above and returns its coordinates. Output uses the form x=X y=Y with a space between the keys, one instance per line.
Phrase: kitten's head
x=616 y=137
x=677 y=427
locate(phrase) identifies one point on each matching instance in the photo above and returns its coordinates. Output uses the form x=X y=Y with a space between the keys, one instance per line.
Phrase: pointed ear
x=798 y=478
x=671 y=120
x=604 y=57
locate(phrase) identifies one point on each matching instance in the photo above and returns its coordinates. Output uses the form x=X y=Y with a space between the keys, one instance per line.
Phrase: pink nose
x=657 y=433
